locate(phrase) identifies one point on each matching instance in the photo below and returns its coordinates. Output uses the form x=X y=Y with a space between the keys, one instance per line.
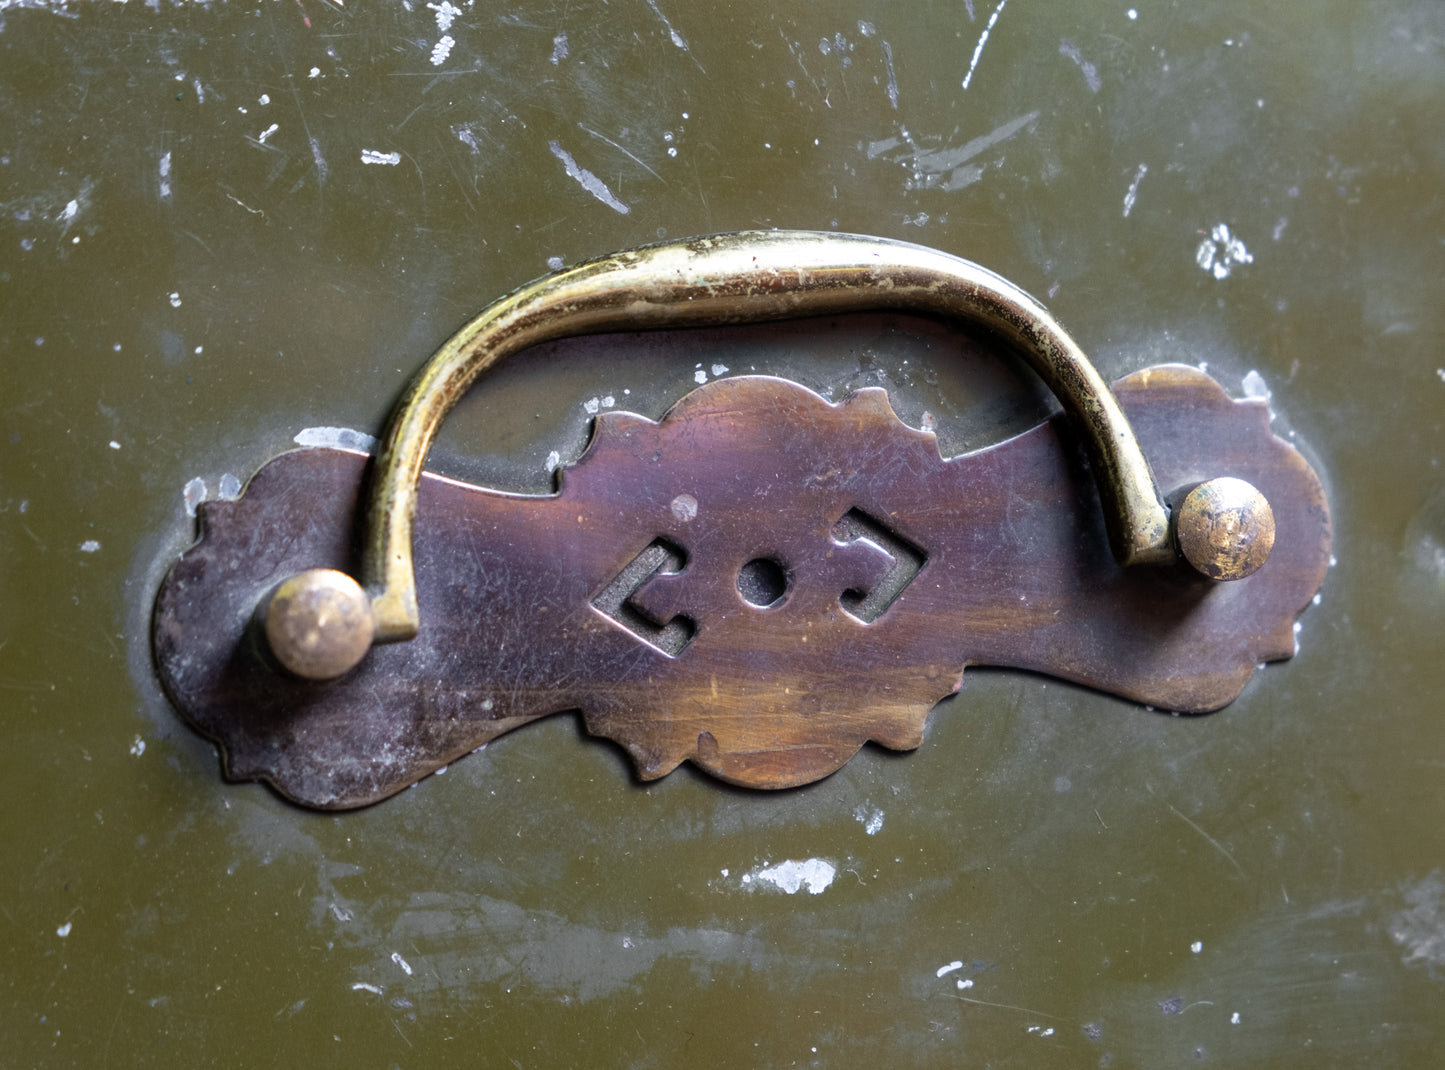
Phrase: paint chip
x=343 y=438
x=1221 y=252
x=871 y=818
x=792 y=876
x=63 y=931
x=376 y=156
x=587 y=180
x=193 y=494
x=1254 y=386
x=89 y=546
x=442 y=49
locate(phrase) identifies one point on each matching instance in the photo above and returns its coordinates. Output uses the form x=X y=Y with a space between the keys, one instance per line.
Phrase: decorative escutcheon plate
x=759 y=583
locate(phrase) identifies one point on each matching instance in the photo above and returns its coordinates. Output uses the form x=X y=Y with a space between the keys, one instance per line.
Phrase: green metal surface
x=197 y=262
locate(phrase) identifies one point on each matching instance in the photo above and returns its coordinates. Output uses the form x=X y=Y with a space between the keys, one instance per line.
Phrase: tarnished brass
x=319 y=624
x=758 y=583
x=1225 y=528
x=743 y=277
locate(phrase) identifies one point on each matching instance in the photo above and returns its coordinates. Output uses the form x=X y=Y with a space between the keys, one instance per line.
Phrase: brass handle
x=321 y=623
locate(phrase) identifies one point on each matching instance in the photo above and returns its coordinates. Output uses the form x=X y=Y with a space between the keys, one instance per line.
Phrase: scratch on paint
x=1133 y=192
x=677 y=38
x=587 y=180
x=607 y=140
x=892 y=78
x=983 y=40
x=1091 y=73
x=1210 y=839
x=945 y=169
x=320 y=161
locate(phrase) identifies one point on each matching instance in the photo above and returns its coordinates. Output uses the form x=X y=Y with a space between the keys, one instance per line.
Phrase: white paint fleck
x=446 y=14
x=230 y=487
x=137 y=747
x=264 y=99
x=948 y=968
x=63 y=931
x=1254 y=386
x=405 y=966
x=1132 y=14
x=1197 y=946
x=870 y=817
x=553 y=460
x=165 y=174
x=268 y=132
x=362 y=986
x=114 y=444
x=591 y=405
x=1234 y=1018
x=719 y=369
x=554 y=263
x=963 y=983
x=982 y=40
x=587 y=180
x=1279 y=226
x=559 y=49
x=684 y=507
x=1441 y=373
x=609 y=401
x=89 y=546
x=791 y=877
x=1132 y=194
x=1219 y=253
x=175 y=299
x=376 y=156
x=193 y=494
x=442 y=49
x=335 y=438
x=700 y=376
x=200 y=90
x=315 y=72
